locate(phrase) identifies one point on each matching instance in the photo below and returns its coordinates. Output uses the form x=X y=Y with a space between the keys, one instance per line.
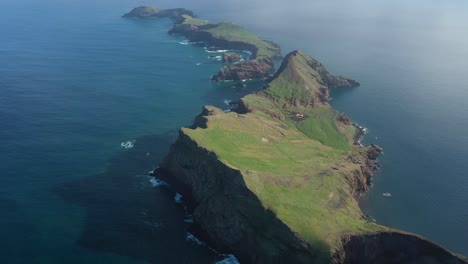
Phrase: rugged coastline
x=223 y=34
x=276 y=180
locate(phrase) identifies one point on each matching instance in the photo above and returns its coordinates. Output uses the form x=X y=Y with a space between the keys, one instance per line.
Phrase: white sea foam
x=128 y=144
x=228 y=259
x=185 y=42
x=198 y=64
x=188 y=219
x=215 y=51
x=178 y=198
x=153 y=171
x=157 y=182
x=190 y=237
x=154 y=225
x=387 y=194
x=227 y=102
x=247 y=52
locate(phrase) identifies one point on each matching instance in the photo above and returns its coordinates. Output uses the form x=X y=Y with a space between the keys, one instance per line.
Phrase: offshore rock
x=231 y=57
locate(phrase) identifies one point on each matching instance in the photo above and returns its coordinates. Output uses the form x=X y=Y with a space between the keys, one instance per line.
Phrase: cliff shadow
x=19 y=230
x=127 y=215
x=228 y=214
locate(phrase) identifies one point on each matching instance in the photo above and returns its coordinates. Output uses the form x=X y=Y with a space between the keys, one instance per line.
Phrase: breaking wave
x=178 y=198
x=229 y=259
x=128 y=144
x=157 y=182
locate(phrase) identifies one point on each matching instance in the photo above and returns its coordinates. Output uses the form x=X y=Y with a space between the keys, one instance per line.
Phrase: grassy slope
x=300 y=82
x=188 y=20
x=296 y=168
x=232 y=32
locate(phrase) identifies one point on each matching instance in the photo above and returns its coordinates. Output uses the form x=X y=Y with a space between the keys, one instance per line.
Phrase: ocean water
x=77 y=81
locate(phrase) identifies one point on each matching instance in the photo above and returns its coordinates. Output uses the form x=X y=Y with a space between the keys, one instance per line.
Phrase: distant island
x=276 y=179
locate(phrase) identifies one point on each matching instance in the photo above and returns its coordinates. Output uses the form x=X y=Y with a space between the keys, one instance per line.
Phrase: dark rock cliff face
x=231 y=217
x=359 y=181
x=392 y=247
x=328 y=80
x=195 y=34
x=251 y=69
x=231 y=57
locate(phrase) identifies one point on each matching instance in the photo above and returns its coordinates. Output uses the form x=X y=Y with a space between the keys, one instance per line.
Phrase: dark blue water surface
x=77 y=80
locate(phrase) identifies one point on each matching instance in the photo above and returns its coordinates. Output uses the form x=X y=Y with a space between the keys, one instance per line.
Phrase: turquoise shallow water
x=77 y=80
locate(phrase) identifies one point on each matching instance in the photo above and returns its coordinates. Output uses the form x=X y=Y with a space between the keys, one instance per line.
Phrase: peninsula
x=276 y=179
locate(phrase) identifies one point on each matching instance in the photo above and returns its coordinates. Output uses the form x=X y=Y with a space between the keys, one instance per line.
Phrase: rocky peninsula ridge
x=277 y=179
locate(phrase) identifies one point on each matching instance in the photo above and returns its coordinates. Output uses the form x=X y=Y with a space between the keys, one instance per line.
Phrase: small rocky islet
x=277 y=179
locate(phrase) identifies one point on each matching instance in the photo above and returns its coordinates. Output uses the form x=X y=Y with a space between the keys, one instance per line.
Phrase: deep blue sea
x=77 y=81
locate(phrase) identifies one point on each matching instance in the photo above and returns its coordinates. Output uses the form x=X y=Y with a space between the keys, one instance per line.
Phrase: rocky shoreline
x=229 y=200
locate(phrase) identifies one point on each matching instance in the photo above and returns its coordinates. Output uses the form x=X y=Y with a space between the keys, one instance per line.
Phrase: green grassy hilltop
x=230 y=32
x=298 y=167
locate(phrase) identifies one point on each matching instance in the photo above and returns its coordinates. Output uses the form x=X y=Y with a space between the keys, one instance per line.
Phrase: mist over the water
x=77 y=80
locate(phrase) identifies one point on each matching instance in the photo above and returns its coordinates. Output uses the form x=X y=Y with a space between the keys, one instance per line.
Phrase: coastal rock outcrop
x=231 y=57
x=251 y=69
x=326 y=78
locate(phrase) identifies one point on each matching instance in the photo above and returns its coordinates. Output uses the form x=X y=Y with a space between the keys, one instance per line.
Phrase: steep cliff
x=231 y=57
x=276 y=181
x=231 y=216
